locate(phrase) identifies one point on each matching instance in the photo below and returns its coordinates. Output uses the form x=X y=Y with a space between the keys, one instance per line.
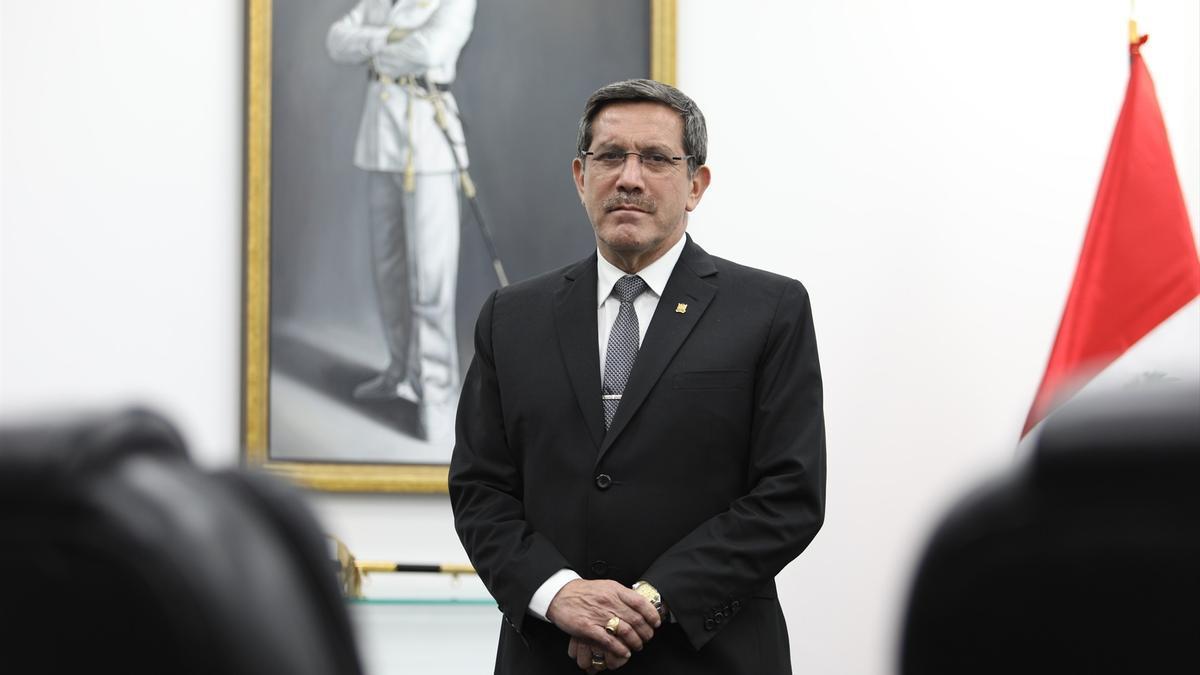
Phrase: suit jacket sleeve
x=486 y=490
x=736 y=553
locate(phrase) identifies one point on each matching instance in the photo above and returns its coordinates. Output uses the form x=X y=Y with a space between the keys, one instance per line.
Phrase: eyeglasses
x=653 y=162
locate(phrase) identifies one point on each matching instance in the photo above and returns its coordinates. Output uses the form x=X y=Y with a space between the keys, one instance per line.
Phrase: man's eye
x=610 y=156
x=658 y=158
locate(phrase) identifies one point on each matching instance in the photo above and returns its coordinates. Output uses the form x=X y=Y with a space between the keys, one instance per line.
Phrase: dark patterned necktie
x=622 y=345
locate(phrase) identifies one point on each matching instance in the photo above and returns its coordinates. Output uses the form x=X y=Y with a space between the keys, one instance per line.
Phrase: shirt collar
x=655 y=274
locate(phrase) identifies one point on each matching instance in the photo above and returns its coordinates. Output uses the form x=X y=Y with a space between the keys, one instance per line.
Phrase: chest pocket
x=712 y=379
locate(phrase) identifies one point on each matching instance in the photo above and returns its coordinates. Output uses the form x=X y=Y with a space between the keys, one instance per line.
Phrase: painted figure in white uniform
x=409 y=49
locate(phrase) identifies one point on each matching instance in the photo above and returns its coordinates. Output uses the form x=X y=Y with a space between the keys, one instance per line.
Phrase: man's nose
x=631 y=177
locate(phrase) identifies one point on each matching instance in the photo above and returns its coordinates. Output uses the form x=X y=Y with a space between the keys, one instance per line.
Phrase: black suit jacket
x=710 y=480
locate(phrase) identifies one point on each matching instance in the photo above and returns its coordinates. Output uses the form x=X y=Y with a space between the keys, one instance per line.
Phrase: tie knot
x=629 y=287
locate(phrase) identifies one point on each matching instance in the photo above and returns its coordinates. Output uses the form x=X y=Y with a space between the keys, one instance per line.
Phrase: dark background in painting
x=523 y=78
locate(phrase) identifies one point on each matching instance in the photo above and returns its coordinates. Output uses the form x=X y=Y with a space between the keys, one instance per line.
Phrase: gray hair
x=695 y=134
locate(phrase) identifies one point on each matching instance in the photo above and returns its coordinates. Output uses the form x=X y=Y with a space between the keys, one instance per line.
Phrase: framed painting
x=403 y=159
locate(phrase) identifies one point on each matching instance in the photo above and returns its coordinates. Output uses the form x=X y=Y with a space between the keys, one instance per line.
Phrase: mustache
x=626 y=200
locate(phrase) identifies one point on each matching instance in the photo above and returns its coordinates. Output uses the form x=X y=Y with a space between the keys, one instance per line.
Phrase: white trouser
x=414 y=255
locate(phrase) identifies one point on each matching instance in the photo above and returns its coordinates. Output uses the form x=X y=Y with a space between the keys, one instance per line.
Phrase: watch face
x=650 y=593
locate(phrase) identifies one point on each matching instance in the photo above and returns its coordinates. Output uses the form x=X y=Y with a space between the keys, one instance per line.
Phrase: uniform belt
x=420 y=80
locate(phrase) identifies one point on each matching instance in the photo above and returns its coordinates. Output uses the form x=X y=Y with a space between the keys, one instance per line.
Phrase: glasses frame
x=642 y=158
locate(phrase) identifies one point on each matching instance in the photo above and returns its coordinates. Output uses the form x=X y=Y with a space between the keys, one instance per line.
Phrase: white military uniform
x=413 y=186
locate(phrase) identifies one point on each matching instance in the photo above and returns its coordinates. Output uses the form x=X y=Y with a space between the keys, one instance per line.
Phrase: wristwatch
x=651 y=593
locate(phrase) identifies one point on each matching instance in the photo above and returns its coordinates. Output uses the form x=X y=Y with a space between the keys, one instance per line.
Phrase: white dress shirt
x=655 y=275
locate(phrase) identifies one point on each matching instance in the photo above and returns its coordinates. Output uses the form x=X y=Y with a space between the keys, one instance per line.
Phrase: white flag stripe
x=1168 y=354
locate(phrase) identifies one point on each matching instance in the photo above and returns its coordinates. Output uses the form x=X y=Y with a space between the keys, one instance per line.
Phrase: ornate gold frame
x=344 y=477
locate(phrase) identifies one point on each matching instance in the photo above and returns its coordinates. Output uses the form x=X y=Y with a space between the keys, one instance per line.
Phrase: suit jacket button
x=709 y=624
x=718 y=617
x=600 y=567
x=603 y=481
x=735 y=606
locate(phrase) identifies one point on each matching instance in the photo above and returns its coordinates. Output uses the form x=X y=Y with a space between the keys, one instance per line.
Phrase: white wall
x=926 y=168
x=121 y=172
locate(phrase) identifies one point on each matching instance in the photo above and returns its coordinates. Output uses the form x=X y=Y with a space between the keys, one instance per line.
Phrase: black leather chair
x=1085 y=559
x=117 y=554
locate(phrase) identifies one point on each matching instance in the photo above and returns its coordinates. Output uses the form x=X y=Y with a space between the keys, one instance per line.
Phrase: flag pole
x=1133 y=31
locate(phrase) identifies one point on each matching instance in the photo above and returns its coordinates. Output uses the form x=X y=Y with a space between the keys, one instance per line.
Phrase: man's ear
x=577 y=172
x=700 y=181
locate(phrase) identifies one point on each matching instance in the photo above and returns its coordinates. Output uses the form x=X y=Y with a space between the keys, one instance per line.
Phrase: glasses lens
x=610 y=159
x=658 y=162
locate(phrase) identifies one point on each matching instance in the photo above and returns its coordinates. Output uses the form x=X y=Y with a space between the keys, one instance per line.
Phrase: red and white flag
x=1138 y=274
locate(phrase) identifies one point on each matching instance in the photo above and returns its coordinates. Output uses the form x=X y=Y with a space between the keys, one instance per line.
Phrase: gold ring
x=612 y=625
x=598 y=659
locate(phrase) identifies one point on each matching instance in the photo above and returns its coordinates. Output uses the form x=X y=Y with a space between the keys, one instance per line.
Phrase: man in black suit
x=640 y=441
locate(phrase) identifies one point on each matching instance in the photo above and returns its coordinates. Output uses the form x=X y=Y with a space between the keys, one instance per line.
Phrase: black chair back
x=118 y=554
x=1085 y=559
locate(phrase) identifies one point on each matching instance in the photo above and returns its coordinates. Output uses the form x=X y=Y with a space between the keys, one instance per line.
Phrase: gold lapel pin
x=681 y=308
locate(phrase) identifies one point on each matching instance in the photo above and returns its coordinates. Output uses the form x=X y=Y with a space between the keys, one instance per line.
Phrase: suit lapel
x=689 y=284
x=575 y=319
